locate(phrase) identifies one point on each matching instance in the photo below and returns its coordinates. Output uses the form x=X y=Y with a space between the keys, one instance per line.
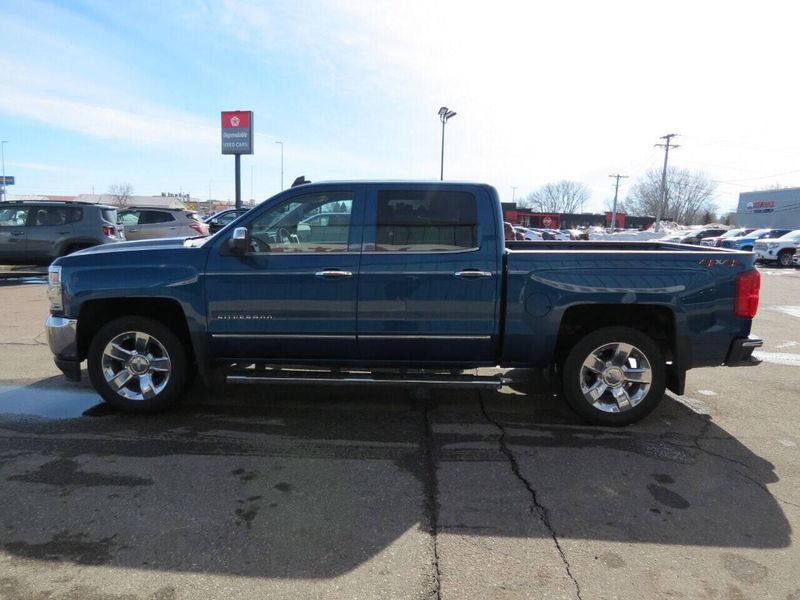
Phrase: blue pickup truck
x=398 y=283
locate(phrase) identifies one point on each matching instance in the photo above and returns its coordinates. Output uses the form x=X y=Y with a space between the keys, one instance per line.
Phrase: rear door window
x=150 y=217
x=425 y=221
x=49 y=216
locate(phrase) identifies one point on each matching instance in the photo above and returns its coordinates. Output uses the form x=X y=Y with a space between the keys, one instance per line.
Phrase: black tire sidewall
x=574 y=360
x=170 y=341
x=780 y=258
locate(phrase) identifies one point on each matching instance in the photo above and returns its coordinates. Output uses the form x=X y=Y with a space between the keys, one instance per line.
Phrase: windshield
x=758 y=233
x=792 y=235
x=733 y=233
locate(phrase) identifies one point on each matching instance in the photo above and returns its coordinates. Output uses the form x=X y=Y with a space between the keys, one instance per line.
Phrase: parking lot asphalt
x=287 y=492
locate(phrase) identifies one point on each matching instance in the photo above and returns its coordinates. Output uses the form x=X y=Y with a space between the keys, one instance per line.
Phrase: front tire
x=786 y=258
x=614 y=376
x=137 y=364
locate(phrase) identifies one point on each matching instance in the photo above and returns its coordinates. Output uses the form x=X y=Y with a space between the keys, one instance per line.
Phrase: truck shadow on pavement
x=287 y=482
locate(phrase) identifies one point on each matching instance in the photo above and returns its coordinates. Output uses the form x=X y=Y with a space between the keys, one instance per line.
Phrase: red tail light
x=108 y=231
x=199 y=228
x=747 y=287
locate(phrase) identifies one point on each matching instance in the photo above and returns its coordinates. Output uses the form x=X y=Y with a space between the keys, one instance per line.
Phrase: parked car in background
x=697 y=236
x=144 y=223
x=221 y=219
x=716 y=242
x=552 y=234
x=748 y=242
x=39 y=232
x=673 y=238
x=528 y=234
x=781 y=250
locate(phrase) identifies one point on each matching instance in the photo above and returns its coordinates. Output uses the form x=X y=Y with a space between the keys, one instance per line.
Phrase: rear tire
x=137 y=364
x=786 y=258
x=614 y=376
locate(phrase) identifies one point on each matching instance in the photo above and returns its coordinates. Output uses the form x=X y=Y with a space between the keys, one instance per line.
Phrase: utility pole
x=614 y=209
x=661 y=209
x=514 y=193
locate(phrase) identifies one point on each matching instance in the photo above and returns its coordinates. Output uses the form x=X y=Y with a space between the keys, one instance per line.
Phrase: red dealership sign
x=237 y=132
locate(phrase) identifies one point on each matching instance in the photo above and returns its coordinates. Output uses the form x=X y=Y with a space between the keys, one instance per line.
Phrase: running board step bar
x=286 y=377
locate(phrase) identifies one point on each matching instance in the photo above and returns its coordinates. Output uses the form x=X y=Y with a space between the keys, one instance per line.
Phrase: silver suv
x=144 y=222
x=39 y=232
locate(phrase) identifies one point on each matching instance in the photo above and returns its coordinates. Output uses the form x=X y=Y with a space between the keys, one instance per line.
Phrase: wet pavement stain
x=663 y=478
x=64 y=472
x=744 y=569
x=667 y=497
x=283 y=487
x=75 y=547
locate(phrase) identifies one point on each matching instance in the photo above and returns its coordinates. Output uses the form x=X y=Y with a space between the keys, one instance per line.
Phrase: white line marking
x=706 y=392
x=793 y=311
x=778 y=358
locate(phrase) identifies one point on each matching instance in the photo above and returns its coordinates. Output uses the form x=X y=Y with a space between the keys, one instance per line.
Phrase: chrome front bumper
x=62 y=337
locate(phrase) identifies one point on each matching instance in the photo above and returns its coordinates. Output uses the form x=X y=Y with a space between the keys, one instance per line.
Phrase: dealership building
x=769 y=208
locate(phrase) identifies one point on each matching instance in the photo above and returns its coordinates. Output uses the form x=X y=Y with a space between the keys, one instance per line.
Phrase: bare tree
x=622 y=207
x=122 y=193
x=689 y=195
x=560 y=197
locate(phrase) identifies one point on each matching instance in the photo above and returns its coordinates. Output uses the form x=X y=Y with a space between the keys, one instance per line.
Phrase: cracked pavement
x=283 y=492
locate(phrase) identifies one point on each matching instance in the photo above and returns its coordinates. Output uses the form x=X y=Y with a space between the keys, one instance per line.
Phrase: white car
x=781 y=250
x=528 y=234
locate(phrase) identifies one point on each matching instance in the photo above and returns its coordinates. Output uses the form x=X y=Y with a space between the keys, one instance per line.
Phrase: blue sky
x=99 y=93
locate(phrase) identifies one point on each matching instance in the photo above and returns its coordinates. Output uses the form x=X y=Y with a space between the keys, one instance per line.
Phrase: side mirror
x=239 y=241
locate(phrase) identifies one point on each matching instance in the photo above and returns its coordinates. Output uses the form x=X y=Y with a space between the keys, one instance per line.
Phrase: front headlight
x=772 y=245
x=54 y=288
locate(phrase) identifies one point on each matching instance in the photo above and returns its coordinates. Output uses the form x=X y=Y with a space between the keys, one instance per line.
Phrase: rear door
x=430 y=278
x=292 y=296
x=13 y=234
x=50 y=231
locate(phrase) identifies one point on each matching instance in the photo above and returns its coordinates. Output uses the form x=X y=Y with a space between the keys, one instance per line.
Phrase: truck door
x=430 y=278
x=292 y=296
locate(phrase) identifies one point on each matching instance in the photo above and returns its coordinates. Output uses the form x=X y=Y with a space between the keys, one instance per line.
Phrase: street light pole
x=281 y=143
x=3 y=155
x=444 y=115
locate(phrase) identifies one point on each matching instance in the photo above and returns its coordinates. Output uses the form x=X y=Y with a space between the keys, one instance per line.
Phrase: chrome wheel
x=615 y=377
x=785 y=259
x=136 y=365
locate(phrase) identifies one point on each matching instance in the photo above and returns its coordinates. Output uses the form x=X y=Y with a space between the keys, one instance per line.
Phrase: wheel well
x=657 y=322
x=95 y=314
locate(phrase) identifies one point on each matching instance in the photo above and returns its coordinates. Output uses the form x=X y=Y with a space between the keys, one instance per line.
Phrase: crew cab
x=404 y=284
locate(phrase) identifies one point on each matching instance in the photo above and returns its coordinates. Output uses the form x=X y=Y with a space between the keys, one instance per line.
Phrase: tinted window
x=777 y=233
x=13 y=217
x=74 y=215
x=311 y=223
x=149 y=217
x=425 y=221
x=50 y=216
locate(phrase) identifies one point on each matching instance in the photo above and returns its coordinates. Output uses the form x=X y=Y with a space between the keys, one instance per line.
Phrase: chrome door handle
x=333 y=274
x=472 y=274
